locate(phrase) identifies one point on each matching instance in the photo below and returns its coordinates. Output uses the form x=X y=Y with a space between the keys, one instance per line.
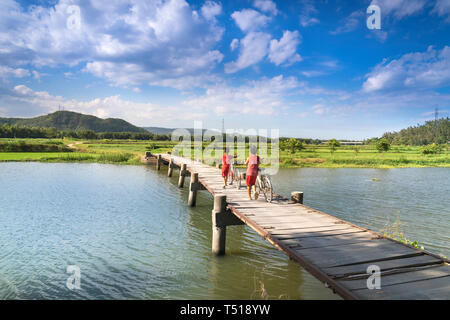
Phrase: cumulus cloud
x=256 y=45
x=419 y=70
x=156 y=40
x=266 y=6
x=38 y=102
x=211 y=9
x=253 y=48
x=285 y=49
x=263 y=97
x=249 y=19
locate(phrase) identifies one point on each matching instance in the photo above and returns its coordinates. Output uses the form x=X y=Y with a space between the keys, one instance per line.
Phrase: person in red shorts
x=252 y=163
x=226 y=160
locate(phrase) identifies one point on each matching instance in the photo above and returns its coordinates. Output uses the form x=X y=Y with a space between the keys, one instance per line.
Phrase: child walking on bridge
x=252 y=163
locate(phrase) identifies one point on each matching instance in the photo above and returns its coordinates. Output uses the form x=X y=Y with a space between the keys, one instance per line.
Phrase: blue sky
x=308 y=68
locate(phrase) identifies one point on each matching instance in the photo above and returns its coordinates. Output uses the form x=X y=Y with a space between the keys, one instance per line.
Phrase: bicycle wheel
x=258 y=186
x=231 y=175
x=237 y=177
x=268 y=191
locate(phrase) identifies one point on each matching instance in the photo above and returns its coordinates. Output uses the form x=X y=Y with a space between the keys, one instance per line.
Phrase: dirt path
x=72 y=145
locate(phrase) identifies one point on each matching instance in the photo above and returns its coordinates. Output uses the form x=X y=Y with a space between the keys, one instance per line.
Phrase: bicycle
x=235 y=175
x=264 y=185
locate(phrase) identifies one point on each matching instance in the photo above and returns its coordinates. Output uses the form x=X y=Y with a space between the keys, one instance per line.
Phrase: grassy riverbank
x=130 y=152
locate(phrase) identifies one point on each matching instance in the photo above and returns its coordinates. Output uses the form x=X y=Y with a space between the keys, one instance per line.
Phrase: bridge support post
x=158 y=162
x=183 y=172
x=297 y=197
x=221 y=218
x=170 y=170
x=193 y=187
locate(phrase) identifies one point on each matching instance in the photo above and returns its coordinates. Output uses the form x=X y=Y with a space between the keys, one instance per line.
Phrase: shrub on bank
x=22 y=146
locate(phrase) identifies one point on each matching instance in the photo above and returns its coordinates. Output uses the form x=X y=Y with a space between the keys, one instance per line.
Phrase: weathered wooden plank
x=327 y=235
x=280 y=231
x=319 y=241
x=400 y=262
x=354 y=253
x=437 y=288
x=403 y=276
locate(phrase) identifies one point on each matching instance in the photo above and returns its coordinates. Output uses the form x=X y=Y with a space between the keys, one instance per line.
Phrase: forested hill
x=67 y=120
x=431 y=132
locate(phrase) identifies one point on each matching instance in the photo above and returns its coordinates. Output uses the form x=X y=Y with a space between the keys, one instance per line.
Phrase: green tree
x=294 y=145
x=383 y=145
x=333 y=144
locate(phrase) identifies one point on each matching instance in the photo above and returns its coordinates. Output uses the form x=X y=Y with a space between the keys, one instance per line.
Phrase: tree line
x=434 y=131
x=11 y=131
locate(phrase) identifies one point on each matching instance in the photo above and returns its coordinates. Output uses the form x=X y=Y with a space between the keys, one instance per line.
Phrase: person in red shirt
x=226 y=160
x=252 y=163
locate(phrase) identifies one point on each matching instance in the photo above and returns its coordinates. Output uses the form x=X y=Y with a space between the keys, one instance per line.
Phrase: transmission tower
x=436 y=114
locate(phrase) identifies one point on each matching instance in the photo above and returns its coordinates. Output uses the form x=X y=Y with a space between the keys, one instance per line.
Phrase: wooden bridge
x=336 y=252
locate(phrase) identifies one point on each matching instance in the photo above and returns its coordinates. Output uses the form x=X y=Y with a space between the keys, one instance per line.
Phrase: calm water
x=129 y=230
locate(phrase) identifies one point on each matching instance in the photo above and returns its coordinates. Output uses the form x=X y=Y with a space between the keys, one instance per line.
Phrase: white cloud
x=307 y=14
x=249 y=19
x=234 y=44
x=37 y=75
x=313 y=73
x=399 y=8
x=285 y=50
x=350 y=23
x=263 y=97
x=419 y=70
x=320 y=109
x=266 y=6
x=6 y=72
x=151 y=36
x=253 y=48
x=211 y=9
x=442 y=8
x=114 y=106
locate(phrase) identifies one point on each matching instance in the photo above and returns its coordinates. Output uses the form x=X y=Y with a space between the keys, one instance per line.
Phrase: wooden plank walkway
x=336 y=252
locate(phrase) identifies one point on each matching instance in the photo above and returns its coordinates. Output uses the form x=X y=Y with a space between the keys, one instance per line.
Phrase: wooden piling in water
x=158 y=162
x=297 y=196
x=183 y=172
x=219 y=232
x=170 y=170
x=221 y=218
x=193 y=187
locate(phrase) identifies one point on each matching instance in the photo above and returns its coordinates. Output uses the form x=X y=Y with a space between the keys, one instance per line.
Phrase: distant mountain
x=68 y=120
